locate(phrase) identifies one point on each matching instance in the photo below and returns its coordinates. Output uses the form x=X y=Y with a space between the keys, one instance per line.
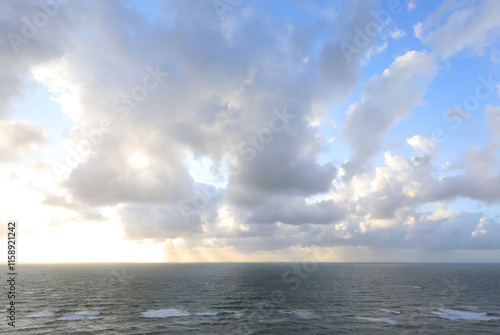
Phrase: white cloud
x=472 y=26
x=440 y=213
x=386 y=99
x=377 y=50
x=411 y=5
x=418 y=30
x=425 y=145
x=65 y=90
x=480 y=229
x=397 y=34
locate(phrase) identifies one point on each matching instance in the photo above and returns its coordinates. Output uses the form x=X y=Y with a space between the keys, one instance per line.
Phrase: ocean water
x=263 y=298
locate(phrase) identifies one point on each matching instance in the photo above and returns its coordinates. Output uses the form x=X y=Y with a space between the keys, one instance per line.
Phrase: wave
x=78 y=316
x=173 y=312
x=42 y=314
x=207 y=314
x=453 y=314
x=383 y=320
x=301 y=313
x=165 y=313
x=389 y=311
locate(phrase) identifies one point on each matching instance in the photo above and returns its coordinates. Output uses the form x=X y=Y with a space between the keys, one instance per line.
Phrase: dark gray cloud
x=295 y=211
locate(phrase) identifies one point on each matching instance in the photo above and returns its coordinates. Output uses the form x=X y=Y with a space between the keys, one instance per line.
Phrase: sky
x=251 y=130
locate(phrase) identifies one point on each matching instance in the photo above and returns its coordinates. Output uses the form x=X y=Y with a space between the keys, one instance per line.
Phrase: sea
x=255 y=298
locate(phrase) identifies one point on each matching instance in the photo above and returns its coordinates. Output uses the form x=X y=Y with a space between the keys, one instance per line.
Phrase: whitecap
x=165 y=313
x=384 y=320
x=42 y=314
x=453 y=314
x=235 y=313
x=389 y=311
x=207 y=314
x=416 y=286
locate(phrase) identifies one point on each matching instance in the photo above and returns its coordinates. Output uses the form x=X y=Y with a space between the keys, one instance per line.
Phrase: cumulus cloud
x=208 y=103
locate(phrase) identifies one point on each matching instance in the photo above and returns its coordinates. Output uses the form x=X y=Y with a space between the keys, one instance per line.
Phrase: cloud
x=222 y=89
x=492 y=117
x=241 y=94
x=385 y=100
x=338 y=69
x=397 y=34
x=468 y=26
x=411 y=5
x=376 y=50
x=18 y=137
x=427 y=146
x=295 y=211
x=25 y=45
x=157 y=222
x=418 y=30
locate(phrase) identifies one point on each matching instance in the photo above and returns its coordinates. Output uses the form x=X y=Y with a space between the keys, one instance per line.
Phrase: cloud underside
x=243 y=91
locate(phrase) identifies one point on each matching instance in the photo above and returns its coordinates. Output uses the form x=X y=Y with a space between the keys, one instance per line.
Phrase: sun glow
x=138 y=160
